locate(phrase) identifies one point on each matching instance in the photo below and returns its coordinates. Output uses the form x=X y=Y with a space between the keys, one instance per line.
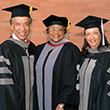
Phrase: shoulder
x=71 y=50
x=108 y=50
x=72 y=47
x=6 y=48
x=105 y=53
x=40 y=46
x=32 y=48
x=32 y=45
x=6 y=43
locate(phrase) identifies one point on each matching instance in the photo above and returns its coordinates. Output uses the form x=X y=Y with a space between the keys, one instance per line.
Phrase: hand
x=59 y=108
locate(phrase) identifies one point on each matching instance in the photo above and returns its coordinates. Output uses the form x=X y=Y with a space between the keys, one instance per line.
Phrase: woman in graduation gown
x=95 y=66
x=56 y=68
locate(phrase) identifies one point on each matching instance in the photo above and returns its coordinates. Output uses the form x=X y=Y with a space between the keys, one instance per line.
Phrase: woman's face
x=56 y=32
x=93 y=37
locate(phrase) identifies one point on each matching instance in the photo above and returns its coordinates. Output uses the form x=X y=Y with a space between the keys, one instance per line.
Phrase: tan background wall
x=74 y=10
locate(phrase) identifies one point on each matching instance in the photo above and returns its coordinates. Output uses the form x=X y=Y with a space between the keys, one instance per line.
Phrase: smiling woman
x=56 y=68
x=56 y=32
x=93 y=37
x=95 y=66
x=89 y=24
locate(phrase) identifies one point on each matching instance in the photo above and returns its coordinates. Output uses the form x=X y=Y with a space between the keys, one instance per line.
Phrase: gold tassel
x=30 y=9
x=68 y=25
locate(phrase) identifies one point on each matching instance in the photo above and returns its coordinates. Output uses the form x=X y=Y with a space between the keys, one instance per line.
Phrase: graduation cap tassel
x=30 y=9
x=103 y=40
x=68 y=25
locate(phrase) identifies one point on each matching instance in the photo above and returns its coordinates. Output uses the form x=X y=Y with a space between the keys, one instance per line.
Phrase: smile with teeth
x=92 y=41
x=55 y=36
x=22 y=33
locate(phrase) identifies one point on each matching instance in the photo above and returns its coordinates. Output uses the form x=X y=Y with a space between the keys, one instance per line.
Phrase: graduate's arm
x=60 y=106
x=71 y=59
x=5 y=67
x=7 y=94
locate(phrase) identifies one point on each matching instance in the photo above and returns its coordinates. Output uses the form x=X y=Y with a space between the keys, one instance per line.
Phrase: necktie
x=26 y=51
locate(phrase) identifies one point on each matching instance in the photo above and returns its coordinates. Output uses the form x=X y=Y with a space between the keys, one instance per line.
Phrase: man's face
x=21 y=27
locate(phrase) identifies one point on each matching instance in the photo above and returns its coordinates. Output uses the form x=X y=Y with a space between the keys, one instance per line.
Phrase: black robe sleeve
x=69 y=59
x=8 y=97
x=95 y=77
x=99 y=95
x=12 y=78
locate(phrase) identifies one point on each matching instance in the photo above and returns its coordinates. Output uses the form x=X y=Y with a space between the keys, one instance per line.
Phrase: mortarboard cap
x=90 y=22
x=20 y=10
x=52 y=19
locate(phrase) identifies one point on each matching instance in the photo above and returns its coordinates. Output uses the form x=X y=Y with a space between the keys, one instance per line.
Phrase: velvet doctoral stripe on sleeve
x=16 y=77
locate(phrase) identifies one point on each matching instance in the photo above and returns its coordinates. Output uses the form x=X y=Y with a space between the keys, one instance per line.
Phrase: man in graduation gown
x=17 y=56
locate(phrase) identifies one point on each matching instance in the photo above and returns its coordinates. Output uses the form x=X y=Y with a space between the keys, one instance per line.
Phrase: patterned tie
x=26 y=51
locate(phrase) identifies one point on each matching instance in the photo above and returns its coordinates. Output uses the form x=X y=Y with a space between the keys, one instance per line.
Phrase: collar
x=94 y=50
x=63 y=41
x=14 y=37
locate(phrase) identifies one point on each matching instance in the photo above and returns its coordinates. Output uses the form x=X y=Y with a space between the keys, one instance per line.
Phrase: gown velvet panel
x=95 y=81
x=15 y=69
x=64 y=78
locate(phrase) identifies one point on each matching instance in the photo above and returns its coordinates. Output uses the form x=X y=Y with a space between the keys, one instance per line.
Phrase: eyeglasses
x=56 y=29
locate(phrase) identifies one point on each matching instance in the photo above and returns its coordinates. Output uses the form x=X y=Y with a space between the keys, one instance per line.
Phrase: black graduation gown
x=17 y=84
x=63 y=77
x=95 y=81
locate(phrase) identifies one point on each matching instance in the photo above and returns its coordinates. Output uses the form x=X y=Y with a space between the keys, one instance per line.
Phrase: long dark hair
x=99 y=48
